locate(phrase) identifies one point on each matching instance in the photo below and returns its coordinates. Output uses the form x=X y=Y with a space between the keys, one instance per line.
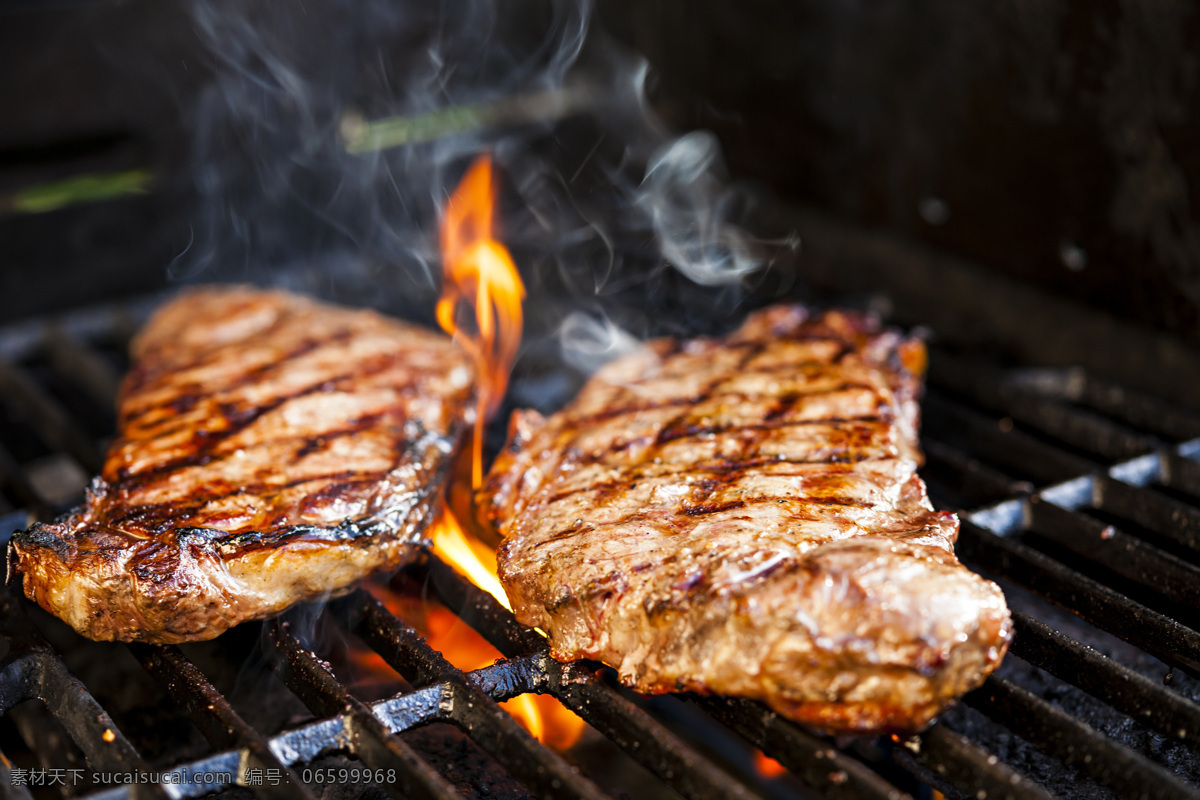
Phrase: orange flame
x=479 y=272
x=480 y=277
x=468 y=555
x=767 y=766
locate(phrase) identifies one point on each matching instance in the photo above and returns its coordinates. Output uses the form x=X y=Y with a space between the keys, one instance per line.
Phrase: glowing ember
x=767 y=766
x=480 y=274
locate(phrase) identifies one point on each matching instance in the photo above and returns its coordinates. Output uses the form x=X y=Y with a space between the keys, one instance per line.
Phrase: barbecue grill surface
x=1086 y=499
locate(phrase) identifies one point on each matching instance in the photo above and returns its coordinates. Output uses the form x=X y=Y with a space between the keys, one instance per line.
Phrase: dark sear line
x=145 y=516
x=712 y=508
x=617 y=410
x=690 y=510
x=759 y=429
x=733 y=468
x=697 y=430
x=140 y=517
x=238 y=420
x=193 y=391
x=220 y=354
x=711 y=393
x=751 y=353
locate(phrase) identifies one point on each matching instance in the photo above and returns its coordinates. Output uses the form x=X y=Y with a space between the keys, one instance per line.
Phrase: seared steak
x=271 y=449
x=743 y=516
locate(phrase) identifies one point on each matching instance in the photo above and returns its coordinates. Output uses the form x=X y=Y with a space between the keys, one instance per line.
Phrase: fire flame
x=480 y=277
x=481 y=274
x=472 y=557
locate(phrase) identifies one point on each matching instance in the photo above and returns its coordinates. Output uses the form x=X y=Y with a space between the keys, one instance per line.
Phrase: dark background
x=1033 y=135
x=1050 y=142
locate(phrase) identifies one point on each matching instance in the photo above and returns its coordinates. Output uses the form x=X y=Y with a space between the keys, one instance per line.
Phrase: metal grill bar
x=1103 y=607
x=69 y=356
x=945 y=759
x=1140 y=410
x=1075 y=426
x=116 y=321
x=56 y=427
x=46 y=678
x=975 y=479
x=31 y=670
x=1171 y=714
x=1007 y=446
x=52 y=746
x=13 y=478
x=1111 y=547
x=1075 y=743
x=1181 y=472
x=407 y=652
x=1156 y=633
x=1164 y=516
x=216 y=718
x=815 y=761
x=365 y=734
x=7 y=790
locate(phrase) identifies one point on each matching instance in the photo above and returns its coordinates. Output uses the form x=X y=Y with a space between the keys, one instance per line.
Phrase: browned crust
x=272 y=449
x=742 y=516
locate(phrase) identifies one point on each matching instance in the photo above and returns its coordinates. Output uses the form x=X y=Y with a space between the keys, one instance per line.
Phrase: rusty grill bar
x=1116 y=547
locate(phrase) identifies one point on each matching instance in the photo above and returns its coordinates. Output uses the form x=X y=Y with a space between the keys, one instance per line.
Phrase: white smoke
x=589 y=341
x=689 y=203
x=599 y=198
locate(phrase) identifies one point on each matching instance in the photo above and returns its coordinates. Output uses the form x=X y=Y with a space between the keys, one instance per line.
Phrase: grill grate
x=1117 y=548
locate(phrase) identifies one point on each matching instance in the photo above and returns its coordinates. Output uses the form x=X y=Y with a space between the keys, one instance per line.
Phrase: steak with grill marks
x=271 y=449
x=743 y=517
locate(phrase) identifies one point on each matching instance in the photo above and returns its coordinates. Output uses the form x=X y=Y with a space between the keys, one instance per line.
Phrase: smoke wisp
x=332 y=132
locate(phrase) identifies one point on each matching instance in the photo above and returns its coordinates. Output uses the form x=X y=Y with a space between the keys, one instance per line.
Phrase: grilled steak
x=271 y=449
x=743 y=516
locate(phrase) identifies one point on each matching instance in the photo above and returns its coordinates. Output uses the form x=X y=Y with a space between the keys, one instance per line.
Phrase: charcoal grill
x=1086 y=498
